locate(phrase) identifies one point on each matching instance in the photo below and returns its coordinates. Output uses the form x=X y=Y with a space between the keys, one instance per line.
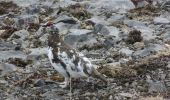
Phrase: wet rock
x=161 y=20
x=134 y=36
x=6 y=68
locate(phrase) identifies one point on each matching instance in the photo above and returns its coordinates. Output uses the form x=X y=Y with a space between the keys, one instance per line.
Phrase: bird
x=66 y=60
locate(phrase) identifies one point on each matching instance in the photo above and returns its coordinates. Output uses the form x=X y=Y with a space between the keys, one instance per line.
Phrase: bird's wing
x=67 y=58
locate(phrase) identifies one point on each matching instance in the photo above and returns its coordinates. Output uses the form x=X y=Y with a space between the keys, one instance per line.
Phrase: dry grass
x=152 y=98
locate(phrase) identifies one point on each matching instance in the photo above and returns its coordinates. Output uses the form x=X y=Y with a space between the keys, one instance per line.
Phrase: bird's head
x=51 y=29
x=54 y=37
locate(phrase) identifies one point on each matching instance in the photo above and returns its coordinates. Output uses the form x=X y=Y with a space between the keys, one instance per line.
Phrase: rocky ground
x=128 y=40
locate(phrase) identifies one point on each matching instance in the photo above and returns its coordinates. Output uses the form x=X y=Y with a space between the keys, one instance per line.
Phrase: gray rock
x=24 y=3
x=4 y=55
x=151 y=48
x=161 y=20
x=43 y=39
x=126 y=95
x=156 y=86
x=39 y=83
x=101 y=29
x=168 y=66
x=147 y=33
x=24 y=20
x=66 y=19
x=3 y=82
x=134 y=23
x=6 y=68
x=65 y=3
x=106 y=31
x=109 y=5
x=36 y=9
x=142 y=3
x=38 y=51
x=126 y=51
x=116 y=17
x=113 y=31
x=77 y=35
x=109 y=42
x=166 y=36
x=50 y=95
x=21 y=34
x=25 y=44
x=7 y=46
x=99 y=20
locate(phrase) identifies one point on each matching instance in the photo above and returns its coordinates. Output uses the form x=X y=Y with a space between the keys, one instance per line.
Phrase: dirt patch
x=146 y=13
x=77 y=10
x=19 y=62
x=134 y=36
x=6 y=7
x=8 y=31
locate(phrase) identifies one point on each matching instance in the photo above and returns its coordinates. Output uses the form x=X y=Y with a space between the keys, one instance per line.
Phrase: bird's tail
x=96 y=74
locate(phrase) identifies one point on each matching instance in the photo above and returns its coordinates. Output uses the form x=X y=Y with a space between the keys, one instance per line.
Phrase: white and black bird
x=66 y=60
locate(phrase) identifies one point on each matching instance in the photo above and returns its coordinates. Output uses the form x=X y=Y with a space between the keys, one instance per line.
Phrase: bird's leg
x=65 y=83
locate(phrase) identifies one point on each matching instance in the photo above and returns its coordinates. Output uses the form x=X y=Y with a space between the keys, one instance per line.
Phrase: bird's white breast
x=74 y=70
x=57 y=66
